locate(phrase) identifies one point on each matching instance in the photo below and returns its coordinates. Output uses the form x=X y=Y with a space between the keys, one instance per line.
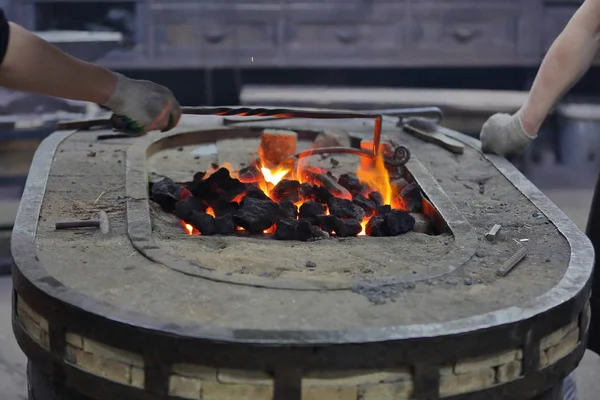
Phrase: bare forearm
x=569 y=57
x=34 y=65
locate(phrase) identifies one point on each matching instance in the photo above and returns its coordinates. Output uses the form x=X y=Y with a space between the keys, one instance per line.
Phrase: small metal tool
x=512 y=262
x=492 y=235
x=101 y=223
x=427 y=130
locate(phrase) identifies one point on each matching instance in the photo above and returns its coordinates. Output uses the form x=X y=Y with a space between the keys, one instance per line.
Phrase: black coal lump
x=376 y=197
x=398 y=222
x=222 y=208
x=256 y=215
x=203 y=222
x=224 y=225
x=327 y=222
x=341 y=227
x=351 y=183
x=412 y=197
x=347 y=227
x=166 y=193
x=382 y=210
x=292 y=229
x=287 y=209
x=218 y=186
x=310 y=210
x=367 y=205
x=254 y=192
x=183 y=209
x=321 y=194
x=376 y=226
x=286 y=189
x=306 y=191
x=343 y=208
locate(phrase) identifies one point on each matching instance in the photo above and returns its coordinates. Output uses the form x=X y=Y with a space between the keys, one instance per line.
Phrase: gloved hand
x=142 y=106
x=504 y=135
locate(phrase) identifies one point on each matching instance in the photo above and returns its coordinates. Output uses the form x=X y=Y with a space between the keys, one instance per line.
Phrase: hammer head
x=103 y=218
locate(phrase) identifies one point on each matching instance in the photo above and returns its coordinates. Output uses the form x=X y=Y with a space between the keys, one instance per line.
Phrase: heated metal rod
x=401 y=154
x=287 y=113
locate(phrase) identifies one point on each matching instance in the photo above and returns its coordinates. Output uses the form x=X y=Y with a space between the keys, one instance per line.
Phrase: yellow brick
x=23 y=307
x=188 y=388
x=37 y=334
x=74 y=340
x=387 y=391
x=243 y=376
x=137 y=377
x=520 y=354
x=556 y=336
x=99 y=366
x=355 y=378
x=566 y=346
x=329 y=393
x=510 y=371
x=543 y=359
x=487 y=361
x=234 y=391
x=195 y=371
x=112 y=353
x=465 y=383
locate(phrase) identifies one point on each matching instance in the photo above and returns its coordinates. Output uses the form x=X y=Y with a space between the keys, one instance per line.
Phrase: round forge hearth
x=146 y=310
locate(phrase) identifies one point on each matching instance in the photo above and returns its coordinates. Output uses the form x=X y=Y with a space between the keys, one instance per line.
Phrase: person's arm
x=30 y=64
x=569 y=57
x=34 y=65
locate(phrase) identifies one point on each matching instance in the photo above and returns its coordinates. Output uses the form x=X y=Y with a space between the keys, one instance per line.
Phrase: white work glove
x=504 y=135
x=142 y=106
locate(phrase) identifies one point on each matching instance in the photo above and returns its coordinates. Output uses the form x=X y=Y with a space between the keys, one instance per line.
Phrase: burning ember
x=291 y=201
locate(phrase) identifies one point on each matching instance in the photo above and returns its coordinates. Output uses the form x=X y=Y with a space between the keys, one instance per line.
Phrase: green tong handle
x=126 y=125
x=130 y=127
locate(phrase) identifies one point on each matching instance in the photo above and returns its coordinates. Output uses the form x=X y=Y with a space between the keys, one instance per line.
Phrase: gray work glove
x=504 y=135
x=142 y=106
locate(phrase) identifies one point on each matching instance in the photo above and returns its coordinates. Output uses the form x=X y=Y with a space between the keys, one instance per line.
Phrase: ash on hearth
x=293 y=201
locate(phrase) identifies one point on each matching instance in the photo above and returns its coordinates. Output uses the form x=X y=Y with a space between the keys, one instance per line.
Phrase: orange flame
x=189 y=229
x=377 y=178
x=363 y=223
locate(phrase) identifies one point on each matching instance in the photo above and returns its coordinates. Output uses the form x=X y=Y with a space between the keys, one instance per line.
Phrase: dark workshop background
x=207 y=51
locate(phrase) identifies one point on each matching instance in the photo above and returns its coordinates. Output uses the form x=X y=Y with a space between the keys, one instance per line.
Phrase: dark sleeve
x=4 y=34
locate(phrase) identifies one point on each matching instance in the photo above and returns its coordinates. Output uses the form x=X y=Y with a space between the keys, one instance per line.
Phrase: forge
x=241 y=260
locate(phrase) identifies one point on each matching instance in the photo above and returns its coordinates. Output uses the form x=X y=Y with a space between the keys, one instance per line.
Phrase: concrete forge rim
x=572 y=289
